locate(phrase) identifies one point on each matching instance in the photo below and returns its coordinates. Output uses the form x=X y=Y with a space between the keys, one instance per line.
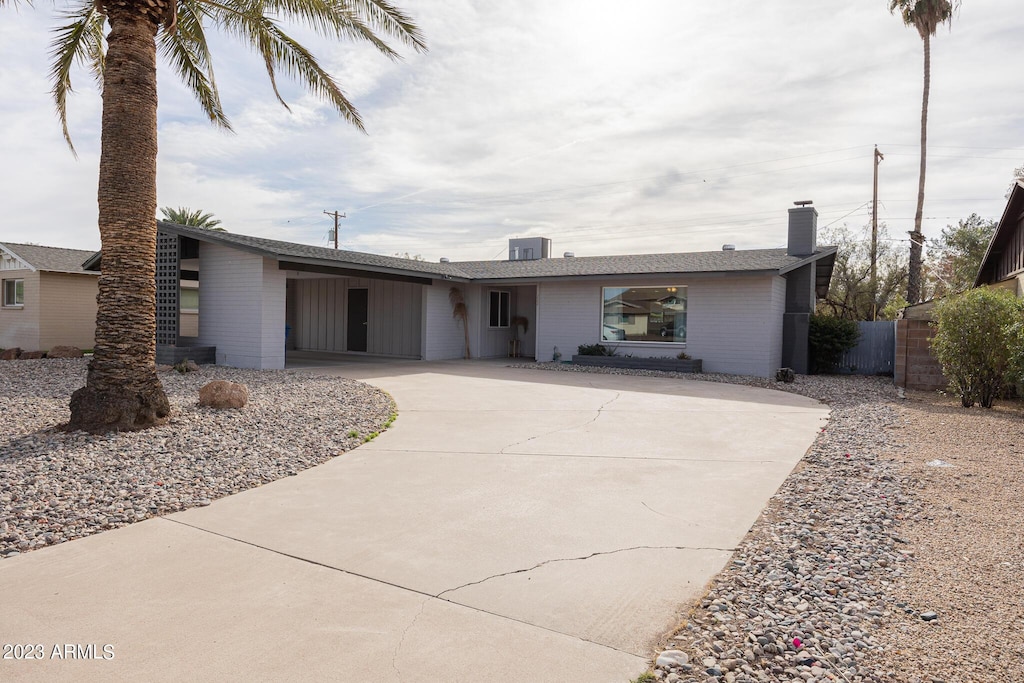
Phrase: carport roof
x=747 y=260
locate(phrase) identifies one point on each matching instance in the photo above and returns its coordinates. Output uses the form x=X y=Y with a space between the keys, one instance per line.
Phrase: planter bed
x=664 y=364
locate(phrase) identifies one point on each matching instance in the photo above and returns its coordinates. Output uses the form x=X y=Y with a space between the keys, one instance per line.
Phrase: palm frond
x=330 y=18
x=80 y=41
x=385 y=17
x=280 y=51
x=194 y=217
x=186 y=50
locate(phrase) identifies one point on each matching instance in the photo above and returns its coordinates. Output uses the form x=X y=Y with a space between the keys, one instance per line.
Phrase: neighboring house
x=49 y=299
x=1002 y=267
x=740 y=311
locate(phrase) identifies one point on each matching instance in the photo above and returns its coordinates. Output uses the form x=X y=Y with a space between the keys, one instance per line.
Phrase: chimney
x=728 y=247
x=445 y=259
x=803 y=229
x=569 y=254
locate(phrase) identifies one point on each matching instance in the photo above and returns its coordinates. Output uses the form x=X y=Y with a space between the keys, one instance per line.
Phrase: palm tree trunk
x=122 y=391
x=916 y=237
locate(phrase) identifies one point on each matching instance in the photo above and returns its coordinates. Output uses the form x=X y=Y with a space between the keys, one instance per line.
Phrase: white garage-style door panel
x=320 y=315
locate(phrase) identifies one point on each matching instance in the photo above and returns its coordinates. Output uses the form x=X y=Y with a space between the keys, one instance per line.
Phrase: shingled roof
x=641 y=264
x=747 y=260
x=305 y=253
x=51 y=259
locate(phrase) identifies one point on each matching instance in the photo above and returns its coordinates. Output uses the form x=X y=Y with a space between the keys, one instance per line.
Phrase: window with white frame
x=644 y=314
x=498 y=311
x=14 y=292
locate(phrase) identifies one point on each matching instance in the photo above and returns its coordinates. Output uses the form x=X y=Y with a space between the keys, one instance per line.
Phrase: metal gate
x=875 y=353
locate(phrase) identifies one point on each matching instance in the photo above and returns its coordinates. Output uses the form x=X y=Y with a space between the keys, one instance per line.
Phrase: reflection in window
x=498 y=314
x=14 y=292
x=189 y=299
x=647 y=314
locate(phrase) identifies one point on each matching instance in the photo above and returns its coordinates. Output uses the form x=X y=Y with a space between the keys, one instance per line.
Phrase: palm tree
x=926 y=16
x=186 y=216
x=122 y=390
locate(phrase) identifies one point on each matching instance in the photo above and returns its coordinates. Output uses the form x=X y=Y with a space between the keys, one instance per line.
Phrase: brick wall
x=916 y=367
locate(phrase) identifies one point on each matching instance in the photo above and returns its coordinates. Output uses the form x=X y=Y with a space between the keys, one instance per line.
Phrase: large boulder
x=10 y=354
x=31 y=355
x=223 y=394
x=64 y=352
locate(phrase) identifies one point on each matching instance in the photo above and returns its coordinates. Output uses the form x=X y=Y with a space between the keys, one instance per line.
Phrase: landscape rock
x=222 y=394
x=64 y=352
x=187 y=365
x=785 y=375
x=56 y=486
x=31 y=355
x=10 y=354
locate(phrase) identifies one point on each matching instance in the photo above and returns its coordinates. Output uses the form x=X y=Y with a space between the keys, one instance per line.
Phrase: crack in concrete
x=426 y=595
x=591 y=421
x=401 y=641
x=656 y=511
x=577 y=559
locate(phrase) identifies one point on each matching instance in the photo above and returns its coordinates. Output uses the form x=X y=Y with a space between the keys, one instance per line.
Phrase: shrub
x=594 y=350
x=828 y=339
x=980 y=343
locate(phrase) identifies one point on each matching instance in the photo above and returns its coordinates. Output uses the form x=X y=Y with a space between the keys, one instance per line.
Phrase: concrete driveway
x=513 y=525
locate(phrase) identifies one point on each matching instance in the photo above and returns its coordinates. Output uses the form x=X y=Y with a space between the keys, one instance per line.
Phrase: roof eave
x=527 y=279
x=215 y=237
x=367 y=268
x=94 y=262
x=816 y=256
x=1016 y=197
x=10 y=251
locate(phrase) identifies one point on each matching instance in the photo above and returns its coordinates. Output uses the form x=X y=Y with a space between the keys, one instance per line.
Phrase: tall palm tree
x=186 y=216
x=122 y=390
x=926 y=16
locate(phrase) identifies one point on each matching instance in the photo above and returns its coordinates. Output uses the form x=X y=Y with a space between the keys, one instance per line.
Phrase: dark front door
x=357 y=308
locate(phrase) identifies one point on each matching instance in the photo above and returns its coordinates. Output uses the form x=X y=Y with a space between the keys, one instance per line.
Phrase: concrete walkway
x=513 y=525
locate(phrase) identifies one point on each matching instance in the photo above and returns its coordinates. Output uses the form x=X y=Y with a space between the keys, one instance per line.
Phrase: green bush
x=980 y=343
x=594 y=350
x=828 y=339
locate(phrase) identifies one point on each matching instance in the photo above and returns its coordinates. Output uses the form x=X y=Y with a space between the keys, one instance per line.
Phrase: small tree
x=849 y=295
x=960 y=252
x=978 y=341
x=828 y=339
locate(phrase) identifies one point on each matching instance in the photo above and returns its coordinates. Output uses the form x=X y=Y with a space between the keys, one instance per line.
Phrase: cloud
x=666 y=127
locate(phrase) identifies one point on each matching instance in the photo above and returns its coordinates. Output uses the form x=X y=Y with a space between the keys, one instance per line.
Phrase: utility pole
x=874 y=237
x=336 y=216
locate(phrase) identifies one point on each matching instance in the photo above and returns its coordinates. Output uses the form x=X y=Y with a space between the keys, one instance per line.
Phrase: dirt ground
x=966 y=536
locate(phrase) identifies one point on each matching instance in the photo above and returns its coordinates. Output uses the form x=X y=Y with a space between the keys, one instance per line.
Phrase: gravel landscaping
x=891 y=553
x=56 y=486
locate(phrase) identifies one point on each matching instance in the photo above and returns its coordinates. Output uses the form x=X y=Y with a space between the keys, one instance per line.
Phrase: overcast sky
x=665 y=126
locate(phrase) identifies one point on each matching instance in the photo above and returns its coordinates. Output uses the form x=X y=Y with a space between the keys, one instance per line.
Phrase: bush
x=594 y=350
x=980 y=343
x=828 y=339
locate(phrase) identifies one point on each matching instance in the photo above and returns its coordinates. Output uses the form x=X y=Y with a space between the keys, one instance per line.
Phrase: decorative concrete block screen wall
x=916 y=367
